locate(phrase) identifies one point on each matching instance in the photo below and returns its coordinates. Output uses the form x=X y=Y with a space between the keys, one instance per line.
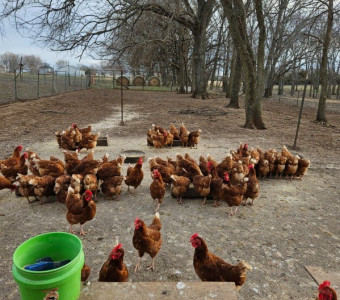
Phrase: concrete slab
x=320 y=275
x=159 y=290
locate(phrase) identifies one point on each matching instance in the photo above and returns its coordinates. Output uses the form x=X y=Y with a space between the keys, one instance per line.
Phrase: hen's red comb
x=326 y=283
x=250 y=167
x=117 y=247
x=25 y=155
x=136 y=220
x=19 y=147
x=88 y=193
x=195 y=235
x=245 y=146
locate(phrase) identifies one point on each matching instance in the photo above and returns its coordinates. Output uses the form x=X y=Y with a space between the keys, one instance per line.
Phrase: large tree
x=321 y=114
x=89 y=25
x=253 y=66
x=10 y=60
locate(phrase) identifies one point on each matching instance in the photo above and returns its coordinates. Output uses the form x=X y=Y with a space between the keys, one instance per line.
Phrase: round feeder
x=154 y=81
x=124 y=80
x=132 y=156
x=138 y=81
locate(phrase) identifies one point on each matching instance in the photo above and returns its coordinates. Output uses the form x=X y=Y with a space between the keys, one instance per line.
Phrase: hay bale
x=154 y=81
x=124 y=80
x=138 y=81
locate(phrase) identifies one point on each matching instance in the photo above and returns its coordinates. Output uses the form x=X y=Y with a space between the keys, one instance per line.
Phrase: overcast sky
x=15 y=43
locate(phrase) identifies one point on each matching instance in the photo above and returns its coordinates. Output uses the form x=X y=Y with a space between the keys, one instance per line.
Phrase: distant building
x=45 y=69
x=71 y=71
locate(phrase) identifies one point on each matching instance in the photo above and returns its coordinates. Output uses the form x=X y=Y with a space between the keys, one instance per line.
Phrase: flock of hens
x=75 y=182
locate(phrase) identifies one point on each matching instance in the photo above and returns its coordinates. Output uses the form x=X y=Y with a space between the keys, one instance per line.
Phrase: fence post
x=15 y=85
x=121 y=98
x=81 y=81
x=300 y=114
x=65 y=83
x=38 y=86
x=74 y=82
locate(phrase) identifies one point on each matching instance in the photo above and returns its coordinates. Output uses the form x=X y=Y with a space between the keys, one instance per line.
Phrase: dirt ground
x=292 y=224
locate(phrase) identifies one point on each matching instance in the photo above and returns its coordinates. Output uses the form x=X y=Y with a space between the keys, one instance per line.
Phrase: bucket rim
x=56 y=270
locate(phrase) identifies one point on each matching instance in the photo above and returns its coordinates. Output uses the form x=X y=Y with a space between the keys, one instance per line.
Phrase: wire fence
x=18 y=86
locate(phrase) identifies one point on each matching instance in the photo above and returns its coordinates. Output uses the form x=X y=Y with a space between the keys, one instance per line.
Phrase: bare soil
x=292 y=224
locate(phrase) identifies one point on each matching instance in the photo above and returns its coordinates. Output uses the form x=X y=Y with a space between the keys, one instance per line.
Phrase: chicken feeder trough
x=176 y=143
x=102 y=141
x=132 y=156
x=191 y=193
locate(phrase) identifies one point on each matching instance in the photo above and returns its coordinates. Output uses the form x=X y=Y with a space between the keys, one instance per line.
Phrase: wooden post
x=74 y=81
x=15 y=86
x=121 y=98
x=65 y=83
x=38 y=85
x=300 y=114
x=297 y=99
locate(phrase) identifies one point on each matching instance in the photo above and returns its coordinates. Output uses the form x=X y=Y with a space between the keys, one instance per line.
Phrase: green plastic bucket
x=61 y=283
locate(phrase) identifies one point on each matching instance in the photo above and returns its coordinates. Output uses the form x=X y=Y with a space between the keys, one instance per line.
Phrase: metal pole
x=15 y=86
x=300 y=114
x=38 y=86
x=297 y=99
x=65 y=82
x=121 y=98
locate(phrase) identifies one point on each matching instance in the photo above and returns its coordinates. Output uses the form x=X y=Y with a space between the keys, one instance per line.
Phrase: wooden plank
x=159 y=290
x=320 y=275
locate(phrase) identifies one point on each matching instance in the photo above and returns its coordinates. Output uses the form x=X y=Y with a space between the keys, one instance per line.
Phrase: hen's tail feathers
x=244 y=267
x=156 y=222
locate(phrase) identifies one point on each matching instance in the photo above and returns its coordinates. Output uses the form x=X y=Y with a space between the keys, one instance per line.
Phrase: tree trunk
x=321 y=114
x=199 y=71
x=204 y=13
x=269 y=71
x=280 y=87
x=235 y=12
x=219 y=39
x=292 y=86
x=235 y=80
x=268 y=91
x=182 y=55
x=226 y=72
